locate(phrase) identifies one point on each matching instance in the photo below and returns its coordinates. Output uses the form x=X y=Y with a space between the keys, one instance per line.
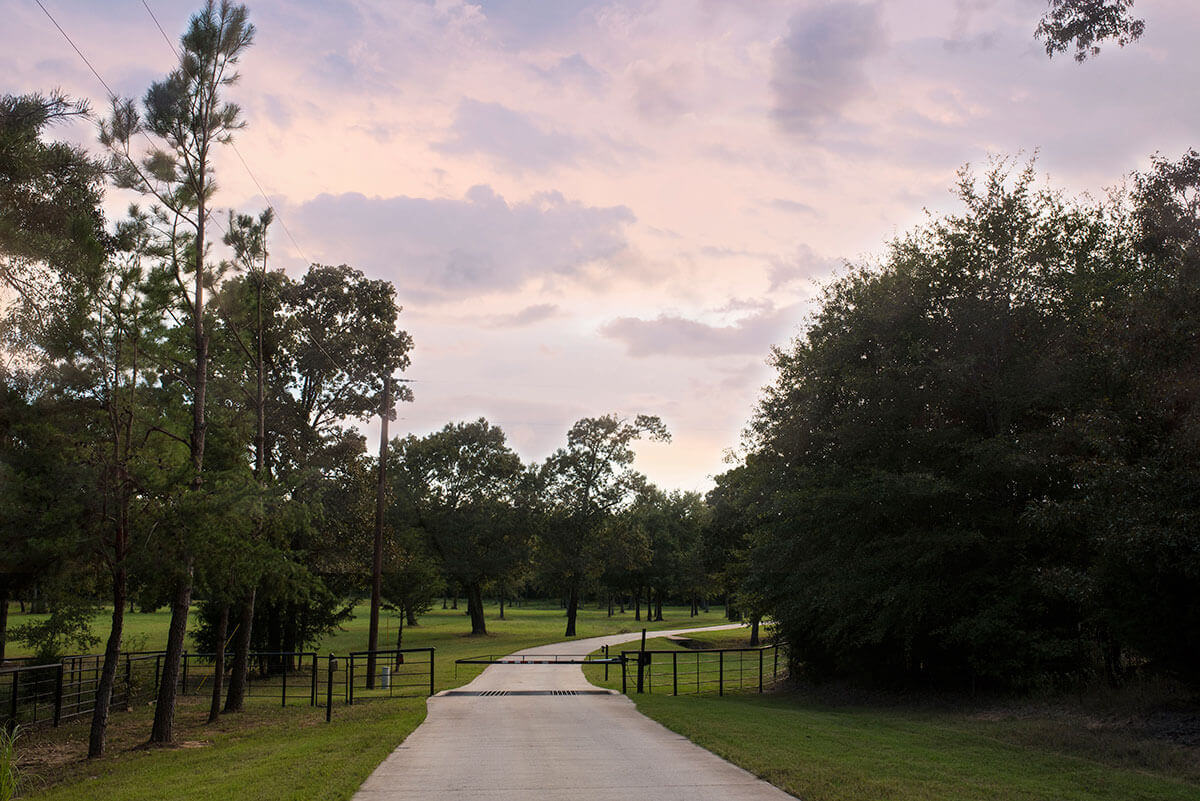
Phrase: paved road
x=553 y=747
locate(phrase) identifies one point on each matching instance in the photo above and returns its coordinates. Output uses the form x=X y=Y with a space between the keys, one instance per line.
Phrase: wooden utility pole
x=377 y=561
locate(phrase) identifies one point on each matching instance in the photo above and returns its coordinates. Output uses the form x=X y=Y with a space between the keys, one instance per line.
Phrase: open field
x=822 y=749
x=272 y=753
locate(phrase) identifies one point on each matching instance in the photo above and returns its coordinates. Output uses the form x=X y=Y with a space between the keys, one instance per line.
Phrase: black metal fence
x=715 y=670
x=32 y=694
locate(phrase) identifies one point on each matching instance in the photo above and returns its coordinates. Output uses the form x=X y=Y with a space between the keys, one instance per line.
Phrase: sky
x=620 y=206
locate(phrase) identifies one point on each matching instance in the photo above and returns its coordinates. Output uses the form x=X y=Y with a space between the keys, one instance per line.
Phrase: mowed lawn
x=821 y=751
x=272 y=753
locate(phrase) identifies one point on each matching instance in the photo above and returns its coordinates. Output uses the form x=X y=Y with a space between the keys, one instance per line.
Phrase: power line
x=79 y=52
x=215 y=220
x=233 y=145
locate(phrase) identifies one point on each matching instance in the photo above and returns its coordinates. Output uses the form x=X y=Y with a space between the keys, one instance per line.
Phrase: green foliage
x=964 y=469
x=1084 y=24
x=10 y=775
x=52 y=236
x=67 y=630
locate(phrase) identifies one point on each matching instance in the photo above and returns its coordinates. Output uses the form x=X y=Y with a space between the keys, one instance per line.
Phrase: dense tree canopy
x=963 y=468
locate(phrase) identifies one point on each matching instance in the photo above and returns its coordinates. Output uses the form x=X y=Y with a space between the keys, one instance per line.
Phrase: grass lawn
x=820 y=750
x=273 y=753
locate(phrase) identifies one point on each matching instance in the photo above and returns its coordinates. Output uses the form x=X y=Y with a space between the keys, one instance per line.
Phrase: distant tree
x=467 y=490
x=412 y=577
x=1084 y=24
x=583 y=485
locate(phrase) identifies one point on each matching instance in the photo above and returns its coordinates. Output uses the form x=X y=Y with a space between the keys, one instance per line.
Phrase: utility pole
x=377 y=561
x=385 y=412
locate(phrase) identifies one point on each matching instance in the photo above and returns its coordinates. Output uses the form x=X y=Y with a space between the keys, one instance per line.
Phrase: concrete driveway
x=550 y=747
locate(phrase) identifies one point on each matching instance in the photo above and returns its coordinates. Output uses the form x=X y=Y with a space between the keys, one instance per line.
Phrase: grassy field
x=821 y=750
x=272 y=753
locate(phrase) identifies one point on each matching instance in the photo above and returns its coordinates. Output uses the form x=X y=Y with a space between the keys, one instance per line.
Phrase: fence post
x=431 y=653
x=674 y=673
x=185 y=667
x=284 y=688
x=760 y=670
x=775 y=670
x=606 y=663
x=128 y=684
x=328 y=689
x=58 y=690
x=624 y=688
x=641 y=663
x=720 y=672
x=350 y=681
x=12 y=711
x=312 y=698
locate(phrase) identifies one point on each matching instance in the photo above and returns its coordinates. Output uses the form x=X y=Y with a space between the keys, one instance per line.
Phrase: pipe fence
x=700 y=671
x=52 y=693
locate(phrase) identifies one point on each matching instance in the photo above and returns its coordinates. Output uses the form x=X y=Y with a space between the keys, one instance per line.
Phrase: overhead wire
x=113 y=96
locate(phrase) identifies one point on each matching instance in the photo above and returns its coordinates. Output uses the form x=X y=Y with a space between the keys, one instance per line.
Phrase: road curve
x=553 y=747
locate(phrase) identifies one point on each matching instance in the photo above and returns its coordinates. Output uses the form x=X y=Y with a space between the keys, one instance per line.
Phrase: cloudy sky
x=593 y=206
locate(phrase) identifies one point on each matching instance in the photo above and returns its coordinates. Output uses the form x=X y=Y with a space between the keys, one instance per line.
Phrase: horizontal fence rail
x=51 y=693
x=700 y=671
x=538 y=659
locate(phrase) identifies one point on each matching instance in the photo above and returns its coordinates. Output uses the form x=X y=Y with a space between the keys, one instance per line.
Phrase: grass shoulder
x=824 y=746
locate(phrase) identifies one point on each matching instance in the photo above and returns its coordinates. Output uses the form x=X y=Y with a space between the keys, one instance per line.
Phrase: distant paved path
x=553 y=748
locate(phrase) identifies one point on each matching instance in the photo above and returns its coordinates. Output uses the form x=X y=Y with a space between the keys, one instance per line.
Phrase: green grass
x=820 y=751
x=272 y=753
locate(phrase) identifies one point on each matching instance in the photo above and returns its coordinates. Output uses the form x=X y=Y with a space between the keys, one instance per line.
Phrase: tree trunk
x=291 y=637
x=235 y=699
x=610 y=605
x=410 y=617
x=475 y=608
x=637 y=604
x=658 y=602
x=274 y=634
x=399 y=640
x=3 y=618
x=108 y=673
x=163 y=731
x=454 y=603
x=754 y=631
x=502 y=607
x=218 y=682
x=572 y=609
